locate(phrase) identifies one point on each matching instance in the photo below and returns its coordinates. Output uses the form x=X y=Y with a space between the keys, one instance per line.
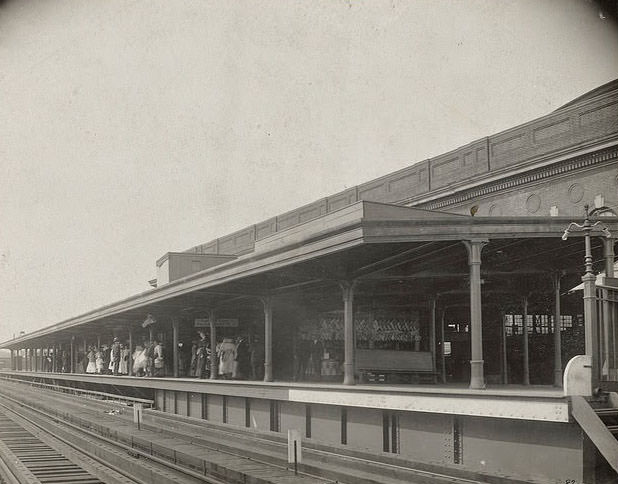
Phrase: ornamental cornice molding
x=606 y=156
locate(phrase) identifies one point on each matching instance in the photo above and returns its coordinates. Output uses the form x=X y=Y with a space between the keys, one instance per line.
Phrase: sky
x=132 y=128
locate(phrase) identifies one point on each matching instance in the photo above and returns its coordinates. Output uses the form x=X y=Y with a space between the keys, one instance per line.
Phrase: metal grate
x=45 y=463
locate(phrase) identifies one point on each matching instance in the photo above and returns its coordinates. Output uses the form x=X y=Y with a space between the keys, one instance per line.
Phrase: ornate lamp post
x=591 y=326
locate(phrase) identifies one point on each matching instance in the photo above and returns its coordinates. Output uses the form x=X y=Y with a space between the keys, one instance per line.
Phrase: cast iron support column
x=12 y=360
x=590 y=314
x=609 y=321
x=72 y=366
x=477 y=377
x=591 y=323
x=525 y=351
x=504 y=355
x=557 y=334
x=36 y=358
x=130 y=359
x=175 y=343
x=442 y=352
x=432 y=335
x=214 y=369
x=151 y=333
x=54 y=355
x=347 y=288
x=268 y=338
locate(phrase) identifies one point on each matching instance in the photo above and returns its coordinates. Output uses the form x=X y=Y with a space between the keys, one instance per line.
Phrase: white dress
x=124 y=362
x=92 y=367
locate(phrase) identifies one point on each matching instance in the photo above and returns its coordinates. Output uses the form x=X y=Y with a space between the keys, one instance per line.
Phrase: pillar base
x=348 y=374
x=477 y=377
x=268 y=372
x=558 y=378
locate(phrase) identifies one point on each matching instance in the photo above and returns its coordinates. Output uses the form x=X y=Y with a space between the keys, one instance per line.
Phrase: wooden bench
x=409 y=366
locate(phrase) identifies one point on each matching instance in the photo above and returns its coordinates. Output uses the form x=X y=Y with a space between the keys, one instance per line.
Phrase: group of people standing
x=235 y=358
x=147 y=359
x=108 y=360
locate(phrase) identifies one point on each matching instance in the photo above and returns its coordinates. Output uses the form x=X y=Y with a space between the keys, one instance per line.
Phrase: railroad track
x=140 y=462
x=35 y=447
x=27 y=458
x=263 y=452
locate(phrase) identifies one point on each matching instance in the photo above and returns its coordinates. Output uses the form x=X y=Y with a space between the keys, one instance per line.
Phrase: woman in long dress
x=227 y=357
x=123 y=368
x=99 y=361
x=138 y=361
x=92 y=367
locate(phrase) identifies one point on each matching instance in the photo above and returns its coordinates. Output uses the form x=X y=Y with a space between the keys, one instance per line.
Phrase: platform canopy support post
x=175 y=324
x=504 y=363
x=432 y=335
x=525 y=348
x=442 y=350
x=130 y=359
x=268 y=338
x=347 y=288
x=214 y=369
x=557 y=334
x=477 y=376
x=609 y=321
x=72 y=366
x=12 y=360
x=54 y=355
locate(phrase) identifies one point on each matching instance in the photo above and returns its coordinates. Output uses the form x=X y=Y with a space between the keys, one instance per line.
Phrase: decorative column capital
x=267 y=301
x=474 y=248
x=347 y=288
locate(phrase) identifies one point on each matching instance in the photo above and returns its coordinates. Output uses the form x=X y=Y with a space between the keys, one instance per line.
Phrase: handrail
x=596 y=430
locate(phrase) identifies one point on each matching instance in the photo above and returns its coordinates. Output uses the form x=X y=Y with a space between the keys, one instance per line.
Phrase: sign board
x=447 y=348
x=221 y=323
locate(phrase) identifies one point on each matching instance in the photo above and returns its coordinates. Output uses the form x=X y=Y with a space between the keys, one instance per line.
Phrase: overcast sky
x=132 y=128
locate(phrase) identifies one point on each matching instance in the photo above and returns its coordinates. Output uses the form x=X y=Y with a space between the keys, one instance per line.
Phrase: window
x=537 y=324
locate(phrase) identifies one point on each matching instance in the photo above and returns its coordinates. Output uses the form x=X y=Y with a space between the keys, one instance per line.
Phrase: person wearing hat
x=115 y=356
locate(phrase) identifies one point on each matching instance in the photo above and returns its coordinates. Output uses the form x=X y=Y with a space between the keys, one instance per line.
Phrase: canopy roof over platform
x=389 y=249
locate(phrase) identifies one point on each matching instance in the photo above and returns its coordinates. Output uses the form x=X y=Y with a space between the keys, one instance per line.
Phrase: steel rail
x=6 y=475
x=55 y=420
x=80 y=392
x=168 y=463
x=310 y=450
x=163 y=461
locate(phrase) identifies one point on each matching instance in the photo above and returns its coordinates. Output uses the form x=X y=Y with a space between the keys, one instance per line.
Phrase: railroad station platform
x=510 y=432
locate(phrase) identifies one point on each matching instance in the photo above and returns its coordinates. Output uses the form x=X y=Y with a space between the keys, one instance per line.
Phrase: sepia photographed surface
x=321 y=241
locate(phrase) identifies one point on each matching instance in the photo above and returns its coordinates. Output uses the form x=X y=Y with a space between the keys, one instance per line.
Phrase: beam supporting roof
x=403 y=233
